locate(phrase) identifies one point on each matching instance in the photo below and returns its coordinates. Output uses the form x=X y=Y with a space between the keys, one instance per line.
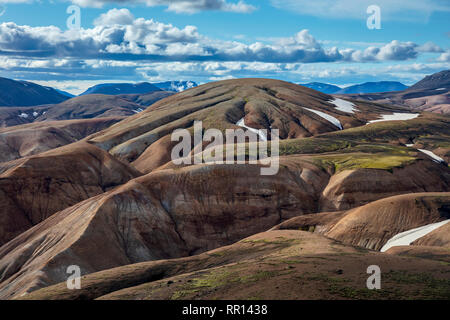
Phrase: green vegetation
x=340 y=162
x=433 y=288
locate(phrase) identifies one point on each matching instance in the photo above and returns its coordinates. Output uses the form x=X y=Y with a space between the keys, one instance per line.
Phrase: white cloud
x=117 y=35
x=178 y=6
x=444 y=57
x=430 y=47
x=115 y=16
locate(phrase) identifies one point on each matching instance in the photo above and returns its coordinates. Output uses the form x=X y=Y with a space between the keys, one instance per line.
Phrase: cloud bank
x=118 y=35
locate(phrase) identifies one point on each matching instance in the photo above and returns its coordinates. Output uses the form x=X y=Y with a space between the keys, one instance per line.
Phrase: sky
x=332 y=41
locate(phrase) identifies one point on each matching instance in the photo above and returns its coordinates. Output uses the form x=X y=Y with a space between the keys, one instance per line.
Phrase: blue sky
x=207 y=40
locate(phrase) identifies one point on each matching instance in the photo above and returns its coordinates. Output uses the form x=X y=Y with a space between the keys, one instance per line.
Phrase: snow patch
x=407 y=237
x=262 y=135
x=327 y=117
x=23 y=115
x=432 y=155
x=344 y=105
x=35 y=114
x=396 y=116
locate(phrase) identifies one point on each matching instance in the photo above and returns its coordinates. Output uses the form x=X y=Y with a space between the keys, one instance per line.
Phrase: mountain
x=82 y=107
x=435 y=81
x=176 y=86
x=430 y=94
x=24 y=93
x=146 y=99
x=224 y=105
x=116 y=205
x=65 y=93
x=90 y=106
x=139 y=88
x=33 y=138
x=322 y=87
x=370 y=87
x=279 y=259
x=121 y=88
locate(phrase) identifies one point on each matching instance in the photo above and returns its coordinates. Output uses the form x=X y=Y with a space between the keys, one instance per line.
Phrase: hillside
x=24 y=93
x=431 y=94
x=115 y=199
x=434 y=81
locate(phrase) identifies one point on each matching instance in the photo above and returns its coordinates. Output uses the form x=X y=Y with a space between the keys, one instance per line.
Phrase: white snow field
x=433 y=156
x=396 y=116
x=344 y=105
x=407 y=237
x=259 y=132
x=327 y=117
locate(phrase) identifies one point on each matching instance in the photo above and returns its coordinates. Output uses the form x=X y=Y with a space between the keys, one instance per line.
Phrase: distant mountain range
x=121 y=88
x=367 y=87
x=322 y=87
x=24 y=93
x=438 y=80
x=139 y=88
x=431 y=94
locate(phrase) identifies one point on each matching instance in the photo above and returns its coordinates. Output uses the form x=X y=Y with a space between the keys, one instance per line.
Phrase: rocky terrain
x=104 y=195
x=431 y=94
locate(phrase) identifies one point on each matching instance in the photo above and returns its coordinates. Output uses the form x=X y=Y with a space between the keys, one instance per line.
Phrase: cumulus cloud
x=117 y=35
x=444 y=57
x=178 y=6
x=115 y=16
x=430 y=47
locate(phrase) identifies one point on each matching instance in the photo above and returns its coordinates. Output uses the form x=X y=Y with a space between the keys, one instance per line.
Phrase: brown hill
x=91 y=106
x=326 y=175
x=372 y=225
x=431 y=94
x=33 y=188
x=264 y=103
x=178 y=212
x=29 y=139
x=280 y=264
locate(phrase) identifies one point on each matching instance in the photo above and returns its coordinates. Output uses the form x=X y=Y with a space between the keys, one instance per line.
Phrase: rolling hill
x=142 y=227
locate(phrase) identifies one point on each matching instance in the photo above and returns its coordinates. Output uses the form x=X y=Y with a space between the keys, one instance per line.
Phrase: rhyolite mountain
x=141 y=227
x=82 y=107
x=435 y=81
x=430 y=94
x=121 y=88
x=322 y=87
x=370 y=87
x=25 y=93
x=139 y=88
x=175 y=86
x=367 y=87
